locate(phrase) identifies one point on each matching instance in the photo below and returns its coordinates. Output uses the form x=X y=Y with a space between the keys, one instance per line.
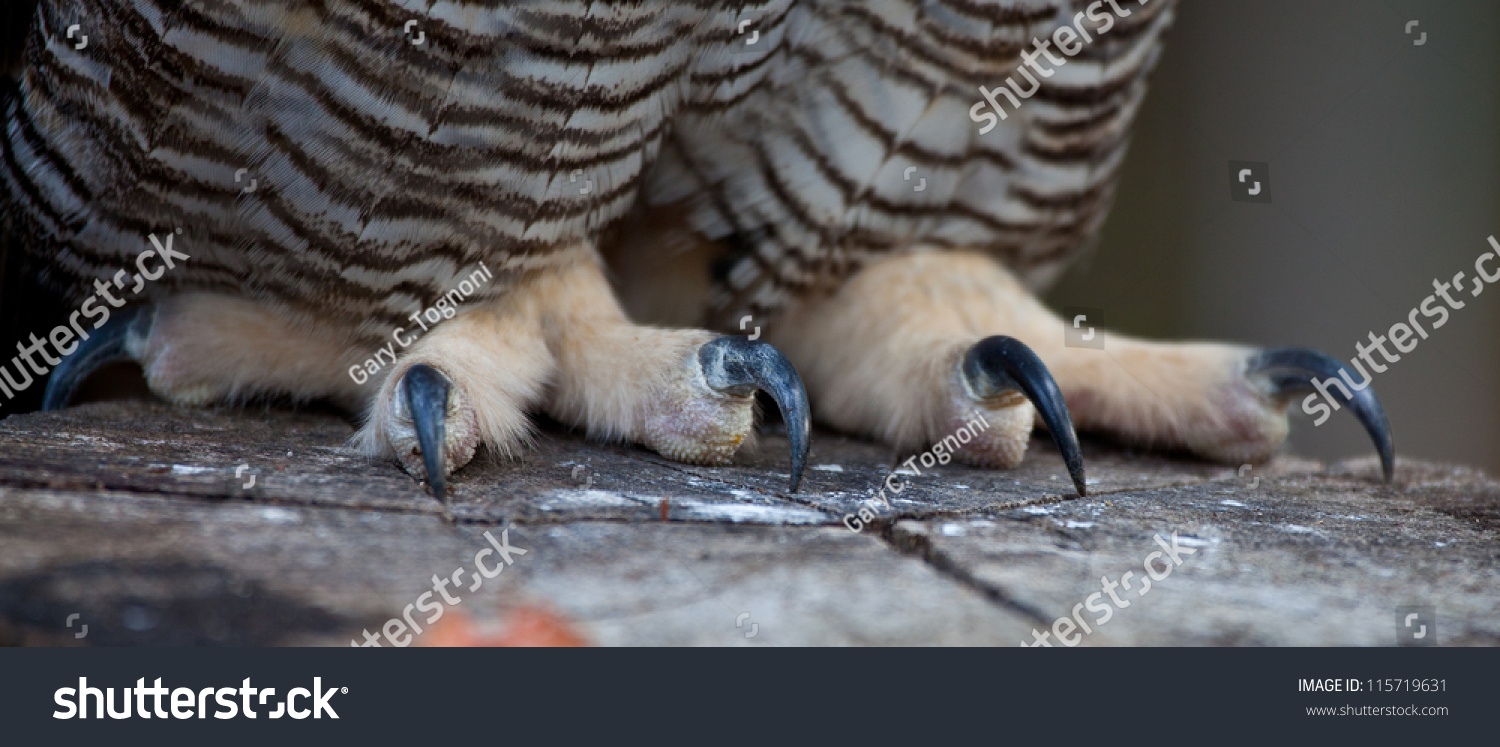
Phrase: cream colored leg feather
x=205 y=348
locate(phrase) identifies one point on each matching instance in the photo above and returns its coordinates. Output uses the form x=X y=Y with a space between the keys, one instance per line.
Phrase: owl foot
x=879 y=364
x=469 y=381
x=879 y=357
x=418 y=427
x=684 y=393
x=733 y=369
x=558 y=342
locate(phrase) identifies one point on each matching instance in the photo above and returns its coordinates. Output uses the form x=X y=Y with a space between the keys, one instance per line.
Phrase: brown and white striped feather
x=387 y=170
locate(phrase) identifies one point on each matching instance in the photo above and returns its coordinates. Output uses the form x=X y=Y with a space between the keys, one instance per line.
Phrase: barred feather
x=386 y=170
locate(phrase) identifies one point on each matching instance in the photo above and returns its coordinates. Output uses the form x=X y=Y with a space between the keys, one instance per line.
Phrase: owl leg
x=199 y=349
x=203 y=348
x=559 y=341
x=685 y=393
x=887 y=358
x=896 y=354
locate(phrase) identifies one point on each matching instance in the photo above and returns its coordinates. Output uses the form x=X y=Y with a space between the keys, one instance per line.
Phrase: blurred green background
x=1385 y=174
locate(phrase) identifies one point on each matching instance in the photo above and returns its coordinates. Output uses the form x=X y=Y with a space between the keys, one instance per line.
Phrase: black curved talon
x=125 y=330
x=738 y=365
x=1292 y=370
x=426 y=391
x=999 y=364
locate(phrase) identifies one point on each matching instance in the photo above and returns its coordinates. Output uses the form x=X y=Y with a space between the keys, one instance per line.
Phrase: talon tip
x=998 y=364
x=798 y=464
x=1295 y=369
x=735 y=363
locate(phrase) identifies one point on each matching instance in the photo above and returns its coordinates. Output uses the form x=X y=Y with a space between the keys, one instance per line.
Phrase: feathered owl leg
x=204 y=348
x=887 y=355
x=686 y=393
x=558 y=341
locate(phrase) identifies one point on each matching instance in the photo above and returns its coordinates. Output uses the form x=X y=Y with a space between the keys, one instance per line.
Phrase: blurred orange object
x=526 y=627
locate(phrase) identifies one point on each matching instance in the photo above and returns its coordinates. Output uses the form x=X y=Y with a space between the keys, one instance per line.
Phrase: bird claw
x=738 y=365
x=121 y=337
x=1293 y=370
x=425 y=392
x=999 y=365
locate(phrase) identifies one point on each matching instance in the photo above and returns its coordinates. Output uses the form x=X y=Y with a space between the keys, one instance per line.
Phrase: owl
x=632 y=217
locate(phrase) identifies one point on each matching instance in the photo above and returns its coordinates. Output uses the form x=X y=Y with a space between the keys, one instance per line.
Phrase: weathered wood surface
x=130 y=515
